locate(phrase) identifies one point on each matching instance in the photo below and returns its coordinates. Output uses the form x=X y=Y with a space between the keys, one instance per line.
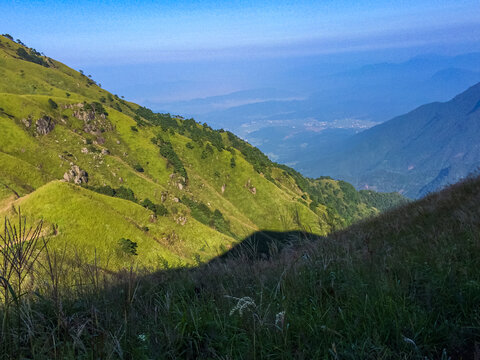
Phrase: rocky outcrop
x=76 y=175
x=94 y=118
x=84 y=115
x=45 y=125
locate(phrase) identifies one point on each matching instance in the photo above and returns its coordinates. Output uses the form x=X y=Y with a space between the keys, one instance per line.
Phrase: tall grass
x=405 y=285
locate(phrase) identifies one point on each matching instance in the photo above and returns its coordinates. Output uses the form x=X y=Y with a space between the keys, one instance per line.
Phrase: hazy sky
x=101 y=36
x=151 y=31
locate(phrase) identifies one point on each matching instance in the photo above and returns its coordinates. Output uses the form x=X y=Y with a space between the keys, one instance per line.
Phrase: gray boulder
x=76 y=175
x=45 y=125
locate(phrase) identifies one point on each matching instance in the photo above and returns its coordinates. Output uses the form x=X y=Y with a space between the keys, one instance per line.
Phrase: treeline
x=202 y=133
x=340 y=198
x=382 y=201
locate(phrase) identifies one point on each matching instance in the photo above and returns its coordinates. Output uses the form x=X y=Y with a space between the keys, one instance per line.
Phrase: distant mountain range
x=293 y=126
x=416 y=153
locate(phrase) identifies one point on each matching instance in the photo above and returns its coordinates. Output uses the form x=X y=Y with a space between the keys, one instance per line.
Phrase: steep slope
x=430 y=147
x=170 y=187
x=403 y=285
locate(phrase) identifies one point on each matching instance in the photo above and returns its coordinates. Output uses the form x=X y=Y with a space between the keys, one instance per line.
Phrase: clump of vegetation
x=203 y=214
x=138 y=168
x=167 y=151
x=32 y=56
x=157 y=119
x=158 y=209
x=260 y=162
x=52 y=104
x=122 y=192
x=382 y=201
x=96 y=107
x=208 y=151
x=128 y=246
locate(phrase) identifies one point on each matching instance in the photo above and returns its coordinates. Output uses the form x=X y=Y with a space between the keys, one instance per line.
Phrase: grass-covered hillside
x=103 y=172
x=403 y=285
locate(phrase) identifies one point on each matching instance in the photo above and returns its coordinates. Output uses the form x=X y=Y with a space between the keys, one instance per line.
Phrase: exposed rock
x=118 y=142
x=27 y=122
x=181 y=220
x=224 y=186
x=76 y=175
x=164 y=196
x=180 y=186
x=100 y=140
x=45 y=125
x=250 y=187
x=84 y=115
x=84 y=151
x=91 y=129
x=105 y=152
x=175 y=199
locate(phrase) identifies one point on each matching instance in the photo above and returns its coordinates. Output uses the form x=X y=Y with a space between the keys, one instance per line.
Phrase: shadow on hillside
x=266 y=244
x=426 y=251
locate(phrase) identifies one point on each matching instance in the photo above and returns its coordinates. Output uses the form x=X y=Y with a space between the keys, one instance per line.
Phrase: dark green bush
x=203 y=214
x=158 y=209
x=128 y=246
x=167 y=151
x=52 y=104
x=138 y=168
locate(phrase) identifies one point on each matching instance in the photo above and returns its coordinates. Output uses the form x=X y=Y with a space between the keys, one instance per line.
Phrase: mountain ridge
x=192 y=191
x=417 y=146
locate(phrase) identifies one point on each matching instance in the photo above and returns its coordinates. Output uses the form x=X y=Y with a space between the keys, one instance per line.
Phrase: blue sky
x=148 y=50
x=151 y=31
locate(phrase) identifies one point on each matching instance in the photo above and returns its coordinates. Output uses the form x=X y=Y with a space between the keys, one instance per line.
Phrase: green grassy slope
x=403 y=285
x=214 y=188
